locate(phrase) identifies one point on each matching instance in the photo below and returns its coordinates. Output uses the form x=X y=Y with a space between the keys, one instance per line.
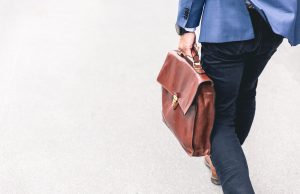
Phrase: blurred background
x=80 y=108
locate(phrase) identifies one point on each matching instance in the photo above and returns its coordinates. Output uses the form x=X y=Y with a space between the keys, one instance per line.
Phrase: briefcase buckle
x=175 y=101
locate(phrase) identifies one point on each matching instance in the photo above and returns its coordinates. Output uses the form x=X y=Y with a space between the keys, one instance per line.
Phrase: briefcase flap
x=179 y=77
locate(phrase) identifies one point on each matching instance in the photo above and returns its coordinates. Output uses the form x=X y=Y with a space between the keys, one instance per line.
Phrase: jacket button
x=186 y=13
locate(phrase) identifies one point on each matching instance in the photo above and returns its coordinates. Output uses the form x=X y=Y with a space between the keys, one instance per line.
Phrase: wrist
x=190 y=29
x=180 y=30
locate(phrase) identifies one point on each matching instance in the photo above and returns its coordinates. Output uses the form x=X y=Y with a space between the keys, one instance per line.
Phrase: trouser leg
x=226 y=70
x=245 y=110
x=246 y=101
x=257 y=54
x=235 y=80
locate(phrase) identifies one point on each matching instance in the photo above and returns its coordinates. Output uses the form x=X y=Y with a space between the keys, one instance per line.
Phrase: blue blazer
x=229 y=20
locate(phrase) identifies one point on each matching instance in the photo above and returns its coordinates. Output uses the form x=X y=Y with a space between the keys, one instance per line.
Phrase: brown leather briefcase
x=188 y=98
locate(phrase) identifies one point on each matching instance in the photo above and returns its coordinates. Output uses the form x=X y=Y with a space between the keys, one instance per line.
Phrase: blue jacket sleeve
x=189 y=13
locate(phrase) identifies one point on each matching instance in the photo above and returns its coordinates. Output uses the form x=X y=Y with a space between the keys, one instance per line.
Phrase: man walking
x=238 y=38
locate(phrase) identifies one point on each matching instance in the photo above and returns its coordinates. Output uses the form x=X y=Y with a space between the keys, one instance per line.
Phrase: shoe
x=214 y=177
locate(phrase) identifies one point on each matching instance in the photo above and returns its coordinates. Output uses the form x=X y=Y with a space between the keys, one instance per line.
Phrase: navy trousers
x=235 y=67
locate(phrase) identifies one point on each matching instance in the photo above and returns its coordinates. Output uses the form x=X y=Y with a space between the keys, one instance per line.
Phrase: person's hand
x=186 y=43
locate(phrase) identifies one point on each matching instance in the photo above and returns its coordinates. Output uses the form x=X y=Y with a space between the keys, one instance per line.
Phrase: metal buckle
x=175 y=101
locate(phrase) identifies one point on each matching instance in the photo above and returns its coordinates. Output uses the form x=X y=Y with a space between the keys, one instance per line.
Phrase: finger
x=187 y=52
x=197 y=47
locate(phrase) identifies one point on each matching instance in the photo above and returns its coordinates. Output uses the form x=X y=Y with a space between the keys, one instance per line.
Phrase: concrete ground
x=80 y=105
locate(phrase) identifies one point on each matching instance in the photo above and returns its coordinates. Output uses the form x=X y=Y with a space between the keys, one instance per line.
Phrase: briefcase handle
x=194 y=59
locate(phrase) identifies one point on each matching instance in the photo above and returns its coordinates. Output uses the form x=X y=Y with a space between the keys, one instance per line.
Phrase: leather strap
x=194 y=60
x=195 y=53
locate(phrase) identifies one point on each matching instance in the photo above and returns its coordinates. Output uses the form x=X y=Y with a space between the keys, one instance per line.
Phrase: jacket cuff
x=189 y=13
x=190 y=29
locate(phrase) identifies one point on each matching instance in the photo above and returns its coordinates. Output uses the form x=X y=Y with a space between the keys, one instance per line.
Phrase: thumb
x=187 y=52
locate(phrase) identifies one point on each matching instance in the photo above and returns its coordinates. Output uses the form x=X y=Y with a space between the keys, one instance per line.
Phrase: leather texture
x=192 y=120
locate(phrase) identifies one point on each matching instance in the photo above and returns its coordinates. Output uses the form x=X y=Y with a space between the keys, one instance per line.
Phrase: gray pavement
x=80 y=105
